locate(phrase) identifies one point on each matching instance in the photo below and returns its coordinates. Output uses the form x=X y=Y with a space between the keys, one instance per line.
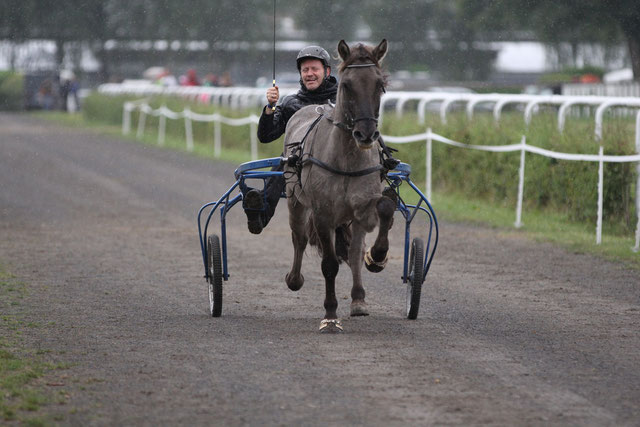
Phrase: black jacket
x=272 y=126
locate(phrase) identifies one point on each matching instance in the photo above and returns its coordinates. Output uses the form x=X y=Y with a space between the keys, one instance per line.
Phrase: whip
x=273 y=107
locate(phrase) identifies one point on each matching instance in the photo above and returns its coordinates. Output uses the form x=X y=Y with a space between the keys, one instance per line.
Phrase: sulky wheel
x=416 y=277
x=215 y=276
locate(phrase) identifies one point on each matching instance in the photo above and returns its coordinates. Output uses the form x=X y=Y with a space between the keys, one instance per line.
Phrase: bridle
x=351 y=122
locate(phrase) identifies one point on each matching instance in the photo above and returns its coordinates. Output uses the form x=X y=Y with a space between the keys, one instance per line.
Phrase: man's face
x=312 y=73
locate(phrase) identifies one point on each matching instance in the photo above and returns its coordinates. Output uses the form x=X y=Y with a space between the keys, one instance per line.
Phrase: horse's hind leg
x=297 y=222
x=356 y=250
x=376 y=257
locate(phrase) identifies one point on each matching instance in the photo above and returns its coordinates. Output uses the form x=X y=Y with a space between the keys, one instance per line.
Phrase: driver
x=317 y=86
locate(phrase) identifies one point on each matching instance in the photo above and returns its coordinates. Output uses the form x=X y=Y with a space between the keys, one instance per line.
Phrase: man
x=317 y=86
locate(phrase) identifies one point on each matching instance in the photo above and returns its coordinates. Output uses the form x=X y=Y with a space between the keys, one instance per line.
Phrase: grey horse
x=334 y=190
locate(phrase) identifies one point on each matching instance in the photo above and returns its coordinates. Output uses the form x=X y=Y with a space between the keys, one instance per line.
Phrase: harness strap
x=349 y=128
x=331 y=169
x=301 y=142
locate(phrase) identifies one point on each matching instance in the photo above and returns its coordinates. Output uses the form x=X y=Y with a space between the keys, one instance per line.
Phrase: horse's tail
x=343 y=240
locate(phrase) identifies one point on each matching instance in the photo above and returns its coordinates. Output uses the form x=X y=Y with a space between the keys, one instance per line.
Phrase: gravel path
x=103 y=232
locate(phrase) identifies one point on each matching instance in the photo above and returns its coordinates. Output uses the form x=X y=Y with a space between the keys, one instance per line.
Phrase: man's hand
x=273 y=94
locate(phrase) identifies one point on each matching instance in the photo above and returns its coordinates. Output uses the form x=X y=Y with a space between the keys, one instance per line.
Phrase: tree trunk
x=102 y=57
x=59 y=53
x=630 y=25
x=634 y=54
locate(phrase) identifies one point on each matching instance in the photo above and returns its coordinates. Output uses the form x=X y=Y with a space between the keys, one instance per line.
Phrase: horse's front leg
x=330 y=266
x=356 y=251
x=375 y=258
x=298 y=218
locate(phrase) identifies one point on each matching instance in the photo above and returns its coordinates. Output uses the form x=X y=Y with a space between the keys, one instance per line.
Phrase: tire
x=414 y=285
x=215 y=276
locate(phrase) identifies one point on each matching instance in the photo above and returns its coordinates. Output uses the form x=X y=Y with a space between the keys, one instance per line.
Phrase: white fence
x=163 y=113
x=602 y=89
x=442 y=103
x=523 y=147
x=229 y=97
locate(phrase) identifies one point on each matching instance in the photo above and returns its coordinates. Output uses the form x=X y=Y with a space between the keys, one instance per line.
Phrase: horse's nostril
x=376 y=135
x=358 y=135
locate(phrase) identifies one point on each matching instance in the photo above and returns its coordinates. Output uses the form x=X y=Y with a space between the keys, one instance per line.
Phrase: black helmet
x=313 y=52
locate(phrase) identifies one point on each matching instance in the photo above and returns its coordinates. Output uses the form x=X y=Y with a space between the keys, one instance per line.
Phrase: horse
x=334 y=188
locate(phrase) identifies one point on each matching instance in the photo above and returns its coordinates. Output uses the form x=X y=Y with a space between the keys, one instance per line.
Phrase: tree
x=432 y=35
x=571 y=21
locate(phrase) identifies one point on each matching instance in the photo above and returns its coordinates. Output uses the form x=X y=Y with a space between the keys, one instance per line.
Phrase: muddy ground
x=103 y=232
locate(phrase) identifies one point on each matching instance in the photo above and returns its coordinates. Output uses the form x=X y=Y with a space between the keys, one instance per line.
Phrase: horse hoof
x=294 y=285
x=359 y=308
x=374 y=266
x=331 y=326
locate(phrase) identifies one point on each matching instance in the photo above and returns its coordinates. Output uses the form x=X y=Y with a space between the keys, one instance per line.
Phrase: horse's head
x=361 y=86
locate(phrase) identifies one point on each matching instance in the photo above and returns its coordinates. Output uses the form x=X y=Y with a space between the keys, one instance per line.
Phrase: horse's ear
x=381 y=50
x=343 y=50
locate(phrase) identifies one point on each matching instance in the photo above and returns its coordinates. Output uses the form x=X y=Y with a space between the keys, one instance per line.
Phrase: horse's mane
x=361 y=54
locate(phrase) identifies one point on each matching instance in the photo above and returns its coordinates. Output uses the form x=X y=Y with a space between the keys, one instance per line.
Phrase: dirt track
x=510 y=332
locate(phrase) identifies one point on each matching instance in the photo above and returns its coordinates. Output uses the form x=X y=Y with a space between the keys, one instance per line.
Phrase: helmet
x=313 y=52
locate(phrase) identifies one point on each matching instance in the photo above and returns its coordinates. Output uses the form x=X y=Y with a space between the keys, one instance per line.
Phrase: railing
x=603 y=89
x=164 y=113
x=229 y=97
x=446 y=100
x=428 y=137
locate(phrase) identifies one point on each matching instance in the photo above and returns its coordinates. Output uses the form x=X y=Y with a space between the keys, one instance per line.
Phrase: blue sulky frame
x=251 y=170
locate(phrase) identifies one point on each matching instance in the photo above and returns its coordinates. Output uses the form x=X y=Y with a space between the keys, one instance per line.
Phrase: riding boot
x=260 y=206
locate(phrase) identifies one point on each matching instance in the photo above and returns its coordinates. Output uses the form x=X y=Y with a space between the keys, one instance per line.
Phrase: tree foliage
x=430 y=34
x=572 y=22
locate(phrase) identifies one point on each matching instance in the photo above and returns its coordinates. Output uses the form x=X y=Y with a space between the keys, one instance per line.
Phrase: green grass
x=544 y=219
x=231 y=151
x=541 y=226
x=21 y=396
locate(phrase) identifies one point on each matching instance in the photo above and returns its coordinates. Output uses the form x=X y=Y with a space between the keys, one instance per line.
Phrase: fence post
x=188 y=128
x=636 y=248
x=162 y=126
x=427 y=184
x=518 y=222
x=126 y=118
x=254 y=141
x=217 y=136
x=141 y=121
x=600 y=195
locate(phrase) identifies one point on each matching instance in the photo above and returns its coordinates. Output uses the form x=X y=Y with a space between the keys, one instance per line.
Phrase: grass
x=539 y=224
x=21 y=396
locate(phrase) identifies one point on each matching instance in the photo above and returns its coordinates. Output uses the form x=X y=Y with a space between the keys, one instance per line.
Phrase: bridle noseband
x=352 y=122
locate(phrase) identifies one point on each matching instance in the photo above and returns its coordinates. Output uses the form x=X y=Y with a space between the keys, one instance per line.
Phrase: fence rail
x=164 y=113
x=428 y=137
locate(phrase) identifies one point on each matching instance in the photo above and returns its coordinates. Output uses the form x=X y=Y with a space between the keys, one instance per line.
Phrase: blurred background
x=532 y=46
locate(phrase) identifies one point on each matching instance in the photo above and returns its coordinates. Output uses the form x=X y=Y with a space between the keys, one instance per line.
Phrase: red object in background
x=192 y=78
x=589 y=78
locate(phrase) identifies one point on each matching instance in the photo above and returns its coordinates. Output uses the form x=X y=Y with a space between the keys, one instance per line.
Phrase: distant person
x=73 y=101
x=65 y=88
x=317 y=86
x=210 y=80
x=44 y=97
x=225 y=80
x=191 y=79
